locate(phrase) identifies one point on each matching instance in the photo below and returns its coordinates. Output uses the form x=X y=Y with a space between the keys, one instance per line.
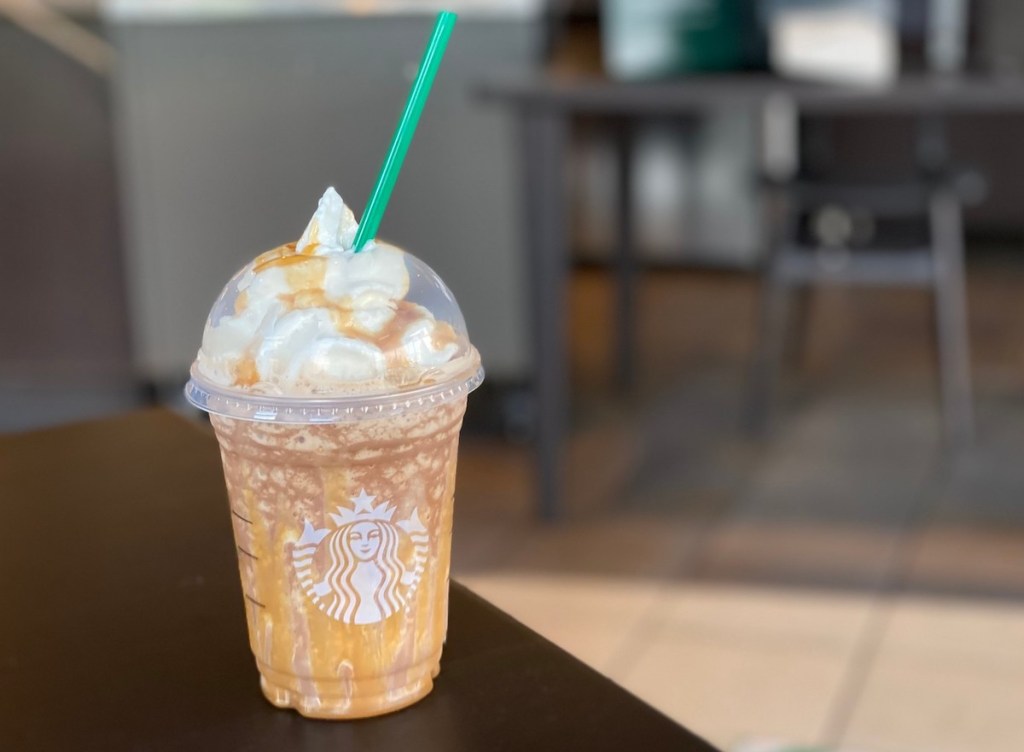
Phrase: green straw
x=406 y=127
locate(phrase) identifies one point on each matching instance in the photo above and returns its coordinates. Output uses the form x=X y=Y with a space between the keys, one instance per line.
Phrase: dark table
x=545 y=105
x=122 y=623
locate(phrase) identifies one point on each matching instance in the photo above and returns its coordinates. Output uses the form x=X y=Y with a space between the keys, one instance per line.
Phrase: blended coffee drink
x=336 y=382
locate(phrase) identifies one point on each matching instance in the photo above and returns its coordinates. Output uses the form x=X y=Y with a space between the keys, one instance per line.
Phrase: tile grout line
x=864 y=656
x=653 y=623
x=859 y=665
x=632 y=645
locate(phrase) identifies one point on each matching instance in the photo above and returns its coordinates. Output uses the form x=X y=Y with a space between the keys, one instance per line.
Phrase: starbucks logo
x=365 y=569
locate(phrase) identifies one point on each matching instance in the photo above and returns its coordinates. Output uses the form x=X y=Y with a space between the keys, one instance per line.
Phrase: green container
x=653 y=38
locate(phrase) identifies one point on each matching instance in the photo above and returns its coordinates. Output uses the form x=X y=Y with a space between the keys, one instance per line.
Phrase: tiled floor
x=948 y=676
x=845 y=584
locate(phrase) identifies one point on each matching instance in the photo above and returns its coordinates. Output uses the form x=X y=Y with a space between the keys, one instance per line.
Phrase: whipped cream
x=315 y=317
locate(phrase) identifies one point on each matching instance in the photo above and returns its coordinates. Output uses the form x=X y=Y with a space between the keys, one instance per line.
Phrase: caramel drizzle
x=305 y=274
x=282 y=255
x=246 y=372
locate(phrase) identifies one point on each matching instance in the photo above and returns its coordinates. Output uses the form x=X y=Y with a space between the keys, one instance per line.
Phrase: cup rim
x=219 y=400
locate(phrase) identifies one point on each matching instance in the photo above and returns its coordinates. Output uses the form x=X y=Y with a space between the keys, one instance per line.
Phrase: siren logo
x=368 y=567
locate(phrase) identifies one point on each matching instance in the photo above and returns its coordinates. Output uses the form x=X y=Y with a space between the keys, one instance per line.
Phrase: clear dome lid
x=326 y=335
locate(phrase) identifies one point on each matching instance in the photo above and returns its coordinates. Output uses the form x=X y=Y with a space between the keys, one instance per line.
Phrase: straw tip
x=443 y=25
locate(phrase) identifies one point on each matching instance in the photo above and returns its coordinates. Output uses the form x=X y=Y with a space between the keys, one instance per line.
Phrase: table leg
x=779 y=220
x=779 y=163
x=625 y=264
x=768 y=354
x=544 y=141
x=951 y=321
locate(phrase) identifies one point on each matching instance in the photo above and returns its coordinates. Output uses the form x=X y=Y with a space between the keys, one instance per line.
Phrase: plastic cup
x=342 y=514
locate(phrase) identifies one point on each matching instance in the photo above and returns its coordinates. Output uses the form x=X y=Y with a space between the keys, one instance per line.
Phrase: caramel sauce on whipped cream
x=314 y=317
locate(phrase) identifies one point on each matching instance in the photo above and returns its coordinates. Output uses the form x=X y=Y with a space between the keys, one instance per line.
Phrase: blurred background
x=791 y=513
